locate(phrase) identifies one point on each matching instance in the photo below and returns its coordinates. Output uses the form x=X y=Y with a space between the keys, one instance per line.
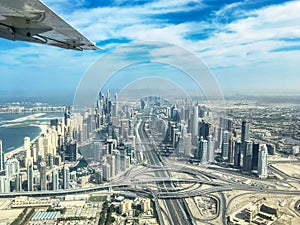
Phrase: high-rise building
x=117 y=155
x=106 y=172
x=111 y=160
x=30 y=183
x=262 y=168
x=55 y=180
x=204 y=128
x=113 y=165
x=43 y=178
x=202 y=151
x=98 y=177
x=255 y=156
x=187 y=143
x=245 y=131
x=18 y=182
x=4 y=184
x=210 y=149
x=27 y=146
x=195 y=130
x=225 y=145
x=1 y=157
x=72 y=151
x=247 y=156
x=271 y=149
x=237 y=154
x=12 y=167
x=50 y=160
x=116 y=108
x=66 y=177
x=231 y=149
x=127 y=162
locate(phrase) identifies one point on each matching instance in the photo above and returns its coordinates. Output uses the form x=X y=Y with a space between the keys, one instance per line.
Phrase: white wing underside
x=33 y=21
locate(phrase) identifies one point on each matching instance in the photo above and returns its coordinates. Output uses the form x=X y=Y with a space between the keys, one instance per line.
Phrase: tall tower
x=255 y=156
x=237 y=154
x=245 y=131
x=4 y=184
x=262 y=168
x=106 y=172
x=27 y=147
x=202 y=151
x=55 y=179
x=225 y=145
x=116 y=109
x=18 y=182
x=187 y=142
x=66 y=177
x=12 y=167
x=30 y=176
x=1 y=157
x=195 y=126
x=247 y=156
x=245 y=137
x=210 y=149
x=43 y=180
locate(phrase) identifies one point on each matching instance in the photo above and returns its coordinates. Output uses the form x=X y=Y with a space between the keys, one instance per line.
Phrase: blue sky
x=252 y=47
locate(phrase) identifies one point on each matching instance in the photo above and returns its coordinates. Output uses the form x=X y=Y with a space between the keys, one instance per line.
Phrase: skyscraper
x=12 y=167
x=210 y=149
x=27 y=146
x=18 y=182
x=204 y=128
x=30 y=176
x=4 y=184
x=225 y=145
x=55 y=184
x=262 y=168
x=116 y=109
x=66 y=177
x=43 y=180
x=187 y=143
x=255 y=156
x=202 y=151
x=195 y=126
x=247 y=156
x=245 y=131
x=1 y=157
x=106 y=172
x=237 y=154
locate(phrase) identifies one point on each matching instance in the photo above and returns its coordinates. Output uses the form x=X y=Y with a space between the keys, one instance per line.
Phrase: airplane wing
x=33 y=21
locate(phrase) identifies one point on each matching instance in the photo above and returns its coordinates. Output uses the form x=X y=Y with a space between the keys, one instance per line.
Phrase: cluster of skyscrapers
x=193 y=132
x=43 y=164
x=115 y=149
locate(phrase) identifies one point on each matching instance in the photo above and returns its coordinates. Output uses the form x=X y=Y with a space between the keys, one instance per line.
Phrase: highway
x=178 y=212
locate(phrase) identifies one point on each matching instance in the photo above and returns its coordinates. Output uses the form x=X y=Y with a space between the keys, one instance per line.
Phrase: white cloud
x=248 y=40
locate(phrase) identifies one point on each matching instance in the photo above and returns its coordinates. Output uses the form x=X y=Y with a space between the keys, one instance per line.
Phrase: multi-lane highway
x=177 y=209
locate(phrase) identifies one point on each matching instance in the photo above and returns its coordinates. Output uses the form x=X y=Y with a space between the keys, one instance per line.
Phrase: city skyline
x=250 y=47
x=176 y=152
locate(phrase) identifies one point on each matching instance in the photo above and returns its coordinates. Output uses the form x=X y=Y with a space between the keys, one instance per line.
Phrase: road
x=177 y=208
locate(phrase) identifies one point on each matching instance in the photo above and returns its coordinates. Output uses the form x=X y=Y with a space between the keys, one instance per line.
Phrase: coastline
x=13 y=152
